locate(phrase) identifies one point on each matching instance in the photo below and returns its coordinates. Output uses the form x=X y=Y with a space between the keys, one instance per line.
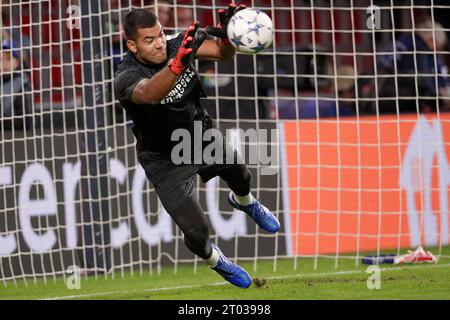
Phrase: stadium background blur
x=322 y=67
x=53 y=53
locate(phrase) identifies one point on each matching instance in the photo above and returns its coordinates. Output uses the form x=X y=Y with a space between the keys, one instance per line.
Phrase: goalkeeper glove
x=189 y=46
x=224 y=17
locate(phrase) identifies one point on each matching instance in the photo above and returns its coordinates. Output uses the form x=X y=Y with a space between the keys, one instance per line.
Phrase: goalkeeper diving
x=160 y=89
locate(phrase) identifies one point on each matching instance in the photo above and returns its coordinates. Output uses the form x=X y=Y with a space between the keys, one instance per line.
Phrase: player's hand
x=192 y=40
x=224 y=17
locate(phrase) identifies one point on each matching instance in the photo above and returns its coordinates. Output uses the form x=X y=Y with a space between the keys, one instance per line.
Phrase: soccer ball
x=250 y=31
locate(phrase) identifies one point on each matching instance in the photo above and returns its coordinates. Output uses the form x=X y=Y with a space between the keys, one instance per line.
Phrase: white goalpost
x=350 y=103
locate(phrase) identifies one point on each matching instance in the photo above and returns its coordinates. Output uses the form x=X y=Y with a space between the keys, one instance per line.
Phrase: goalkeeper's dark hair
x=137 y=19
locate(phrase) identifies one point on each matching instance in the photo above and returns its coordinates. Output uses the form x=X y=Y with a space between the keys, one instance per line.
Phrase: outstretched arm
x=154 y=89
x=217 y=50
x=221 y=48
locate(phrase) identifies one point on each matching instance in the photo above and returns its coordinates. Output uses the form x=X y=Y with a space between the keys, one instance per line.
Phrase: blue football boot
x=265 y=219
x=231 y=271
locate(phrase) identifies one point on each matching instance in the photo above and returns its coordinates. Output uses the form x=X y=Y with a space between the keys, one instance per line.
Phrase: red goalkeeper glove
x=220 y=31
x=189 y=46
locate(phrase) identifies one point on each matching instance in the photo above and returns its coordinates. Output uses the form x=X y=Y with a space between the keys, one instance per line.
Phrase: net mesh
x=356 y=93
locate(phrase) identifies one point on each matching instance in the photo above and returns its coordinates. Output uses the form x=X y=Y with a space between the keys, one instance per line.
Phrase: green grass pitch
x=424 y=281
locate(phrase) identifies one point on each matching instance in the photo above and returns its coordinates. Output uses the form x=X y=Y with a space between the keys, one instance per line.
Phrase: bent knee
x=199 y=234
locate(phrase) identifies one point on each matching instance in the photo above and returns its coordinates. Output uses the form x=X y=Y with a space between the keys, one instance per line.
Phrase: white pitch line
x=337 y=273
x=306 y=275
x=135 y=291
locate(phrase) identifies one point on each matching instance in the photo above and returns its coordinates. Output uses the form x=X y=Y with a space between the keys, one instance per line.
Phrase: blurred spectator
x=183 y=17
x=345 y=87
x=305 y=105
x=12 y=32
x=164 y=12
x=417 y=71
x=16 y=89
x=232 y=89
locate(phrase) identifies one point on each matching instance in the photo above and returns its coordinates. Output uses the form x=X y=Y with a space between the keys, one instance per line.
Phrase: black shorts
x=174 y=184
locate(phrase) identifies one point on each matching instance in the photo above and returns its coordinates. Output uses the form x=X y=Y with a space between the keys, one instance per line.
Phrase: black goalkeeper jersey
x=153 y=124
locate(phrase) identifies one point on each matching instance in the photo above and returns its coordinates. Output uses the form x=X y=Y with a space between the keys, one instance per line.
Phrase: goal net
x=349 y=106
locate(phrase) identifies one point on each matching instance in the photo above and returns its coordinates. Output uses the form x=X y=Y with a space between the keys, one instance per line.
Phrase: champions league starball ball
x=250 y=31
